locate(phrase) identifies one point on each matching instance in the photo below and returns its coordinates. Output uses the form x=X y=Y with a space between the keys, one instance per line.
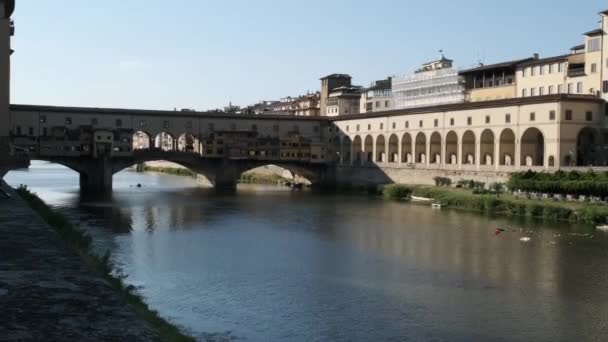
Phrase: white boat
x=421 y=199
x=603 y=228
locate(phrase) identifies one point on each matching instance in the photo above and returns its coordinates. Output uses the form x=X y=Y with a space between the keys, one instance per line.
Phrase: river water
x=269 y=264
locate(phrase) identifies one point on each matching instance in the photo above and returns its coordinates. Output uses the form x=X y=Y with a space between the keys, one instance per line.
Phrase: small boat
x=436 y=206
x=603 y=228
x=421 y=199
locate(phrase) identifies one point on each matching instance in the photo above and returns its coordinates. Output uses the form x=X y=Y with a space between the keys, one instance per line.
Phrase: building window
x=532 y=116
x=369 y=127
x=347 y=128
x=579 y=88
x=451 y=121
x=45 y=131
x=358 y=128
x=523 y=72
x=118 y=123
x=593 y=45
x=560 y=67
x=296 y=128
x=233 y=127
x=507 y=118
x=255 y=128
x=381 y=126
x=436 y=123
x=31 y=131
x=542 y=69
x=469 y=121
x=394 y=125
x=68 y=121
x=377 y=104
x=188 y=124
x=560 y=89
x=166 y=124
x=568 y=115
x=421 y=123
x=541 y=91
x=605 y=87
x=18 y=130
x=94 y=122
x=142 y=123
x=533 y=92
x=550 y=68
x=589 y=116
x=387 y=103
x=552 y=115
x=533 y=71
x=551 y=89
x=407 y=124
x=524 y=92
x=42 y=119
x=593 y=68
x=487 y=119
x=569 y=90
x=211 y=126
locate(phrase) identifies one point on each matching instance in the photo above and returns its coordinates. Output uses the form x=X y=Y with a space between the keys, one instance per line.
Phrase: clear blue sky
x=202 y=54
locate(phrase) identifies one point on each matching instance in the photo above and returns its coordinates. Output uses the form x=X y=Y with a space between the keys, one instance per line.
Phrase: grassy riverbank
x=504 y=204
x=171 y=171
x=81 y=243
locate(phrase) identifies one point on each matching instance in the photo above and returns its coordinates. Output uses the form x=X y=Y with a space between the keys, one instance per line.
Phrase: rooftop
x=546 y=60
x=508 y=64
x=594 y=32
x=337 y=76
x=578 y=47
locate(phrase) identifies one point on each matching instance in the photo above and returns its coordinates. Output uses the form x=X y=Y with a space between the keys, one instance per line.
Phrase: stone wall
x=387 y=175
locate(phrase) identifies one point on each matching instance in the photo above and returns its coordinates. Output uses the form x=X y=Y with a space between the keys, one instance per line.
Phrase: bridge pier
x=96 y=176
x=225 y=177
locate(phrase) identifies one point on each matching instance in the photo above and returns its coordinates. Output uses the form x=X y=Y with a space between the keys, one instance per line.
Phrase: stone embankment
x=47 y=292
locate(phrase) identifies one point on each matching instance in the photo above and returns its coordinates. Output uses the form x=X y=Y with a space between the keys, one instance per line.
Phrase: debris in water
x=525 y=239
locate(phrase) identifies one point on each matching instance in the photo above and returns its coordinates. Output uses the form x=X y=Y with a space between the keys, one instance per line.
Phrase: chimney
x=535 y=56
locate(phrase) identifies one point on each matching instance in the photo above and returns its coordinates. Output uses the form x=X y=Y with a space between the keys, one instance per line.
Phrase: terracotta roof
x=508 y=64
x=547 y=60
x=578 y=47
x=594 y=32
x=337 y=76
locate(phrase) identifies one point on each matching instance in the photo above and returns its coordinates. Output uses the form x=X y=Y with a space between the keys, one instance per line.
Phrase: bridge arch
x=347 y=146
x=407 y=155
x=421 y=157
x=507 y=148
x=435 y=149
x=532 y=147
x=165 y=141
x=368 y=149
x=468 y=148
x=393 y=149
x=142 y=140
x=451 y=148
x=358 y=150
x=187 y=142
x=487 y=148
x=380 y=149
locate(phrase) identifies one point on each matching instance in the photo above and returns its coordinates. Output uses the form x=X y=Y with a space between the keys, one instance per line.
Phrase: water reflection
x=280 y=265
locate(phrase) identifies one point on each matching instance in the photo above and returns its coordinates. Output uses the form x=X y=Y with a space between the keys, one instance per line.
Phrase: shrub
x=396 y=191
x=442 y=181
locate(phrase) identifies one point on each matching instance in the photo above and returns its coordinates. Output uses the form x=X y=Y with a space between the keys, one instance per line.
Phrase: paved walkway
x=46 y=291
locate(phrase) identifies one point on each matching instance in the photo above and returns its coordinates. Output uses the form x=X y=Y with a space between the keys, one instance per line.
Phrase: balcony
x=577 y=71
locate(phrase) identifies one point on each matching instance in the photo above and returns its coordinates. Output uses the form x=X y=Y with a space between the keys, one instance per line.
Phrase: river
x=269 y=264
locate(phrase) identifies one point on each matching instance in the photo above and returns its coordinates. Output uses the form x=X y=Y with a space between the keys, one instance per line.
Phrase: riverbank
x=264 y=178
x=507 y=204
x=52 y=286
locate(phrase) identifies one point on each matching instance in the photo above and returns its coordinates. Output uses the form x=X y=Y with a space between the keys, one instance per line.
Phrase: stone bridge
x=96 y=173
